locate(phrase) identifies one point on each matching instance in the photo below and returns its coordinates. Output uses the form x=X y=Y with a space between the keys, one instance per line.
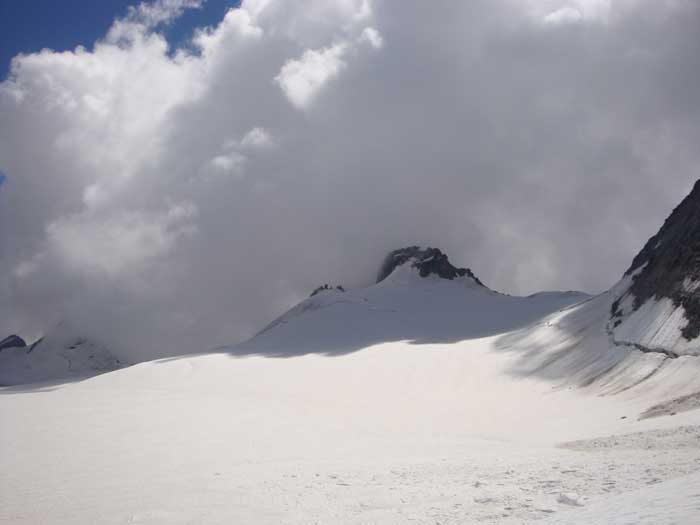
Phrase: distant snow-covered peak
x=62 y=353
x=423 y=262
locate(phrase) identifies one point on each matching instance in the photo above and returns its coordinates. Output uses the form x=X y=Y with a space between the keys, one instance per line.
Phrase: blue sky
x=30 y=25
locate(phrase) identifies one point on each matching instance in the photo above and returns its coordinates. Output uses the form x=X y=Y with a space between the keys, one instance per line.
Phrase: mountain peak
x=12 y=341
x=665 y=284
x=326 y=288
x=680 y=234
x=669 y=264
x=428 y=261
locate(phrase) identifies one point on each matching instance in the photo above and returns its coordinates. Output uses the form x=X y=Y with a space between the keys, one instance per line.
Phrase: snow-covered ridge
x=565 y=337
x=402 y=307
x=659 y=309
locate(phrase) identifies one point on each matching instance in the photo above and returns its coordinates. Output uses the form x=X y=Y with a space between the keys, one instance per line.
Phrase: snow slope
x=656 y=325
x=417 y=399
x=577 y=347
x=402 y=307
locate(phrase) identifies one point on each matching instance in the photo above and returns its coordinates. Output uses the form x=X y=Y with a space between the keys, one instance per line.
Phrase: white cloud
x=111 y=245
x=311 y=25
x=564 y=15
x=302 y=79
x=160 y=11
x=146 y=16
x=563 y=12
x=257 y=138
x=373 y=37
x=231 y=164
x=363 y=10
x=148 y=185
x=238 y=25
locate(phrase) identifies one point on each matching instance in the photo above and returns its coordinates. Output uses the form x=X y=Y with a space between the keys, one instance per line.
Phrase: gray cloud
x=172 y=201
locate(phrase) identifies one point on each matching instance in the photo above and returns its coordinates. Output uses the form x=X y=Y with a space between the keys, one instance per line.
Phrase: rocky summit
x=428 y=261
x=669 y=265
x=12 y=341
x=325 y=288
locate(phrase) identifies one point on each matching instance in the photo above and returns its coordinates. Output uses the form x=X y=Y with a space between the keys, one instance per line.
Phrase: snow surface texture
x=62 y=354
x=414 y=400
x=656 y=325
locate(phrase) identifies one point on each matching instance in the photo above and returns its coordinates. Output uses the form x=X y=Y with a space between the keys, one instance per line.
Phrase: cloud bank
x=170 y=200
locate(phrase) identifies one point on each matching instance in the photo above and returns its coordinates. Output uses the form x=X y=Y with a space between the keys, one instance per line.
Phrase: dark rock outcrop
x=669 y=264
x=325 y=287
x=428 y=261
x=12 y=341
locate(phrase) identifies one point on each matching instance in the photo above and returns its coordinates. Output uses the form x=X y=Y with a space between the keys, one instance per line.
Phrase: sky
x=193 y=171
x=30 y=26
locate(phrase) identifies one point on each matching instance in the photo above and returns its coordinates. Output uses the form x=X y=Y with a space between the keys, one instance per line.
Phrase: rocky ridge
x=428 y=261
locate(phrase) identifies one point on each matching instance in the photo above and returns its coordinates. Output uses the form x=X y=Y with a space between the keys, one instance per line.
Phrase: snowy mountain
x=569 y=338
x=425 y=397
x=420 y=297
x=660 y=308
x=428 y=261
x=61 y=354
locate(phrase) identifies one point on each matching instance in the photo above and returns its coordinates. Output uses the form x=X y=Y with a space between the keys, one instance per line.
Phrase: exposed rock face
x=669 y=265
x=428 y=261
x=12 y=341
x=326 y=287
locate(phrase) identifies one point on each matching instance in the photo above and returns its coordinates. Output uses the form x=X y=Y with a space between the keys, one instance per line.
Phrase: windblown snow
x=420 y=400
